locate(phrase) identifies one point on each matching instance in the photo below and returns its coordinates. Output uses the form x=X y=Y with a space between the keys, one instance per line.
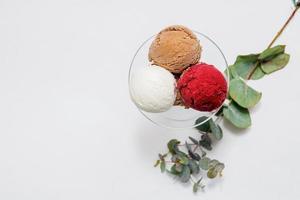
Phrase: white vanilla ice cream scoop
x=153 y=88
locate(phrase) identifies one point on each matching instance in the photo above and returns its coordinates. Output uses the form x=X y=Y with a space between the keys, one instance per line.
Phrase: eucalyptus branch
x=185 y=163
x=187 y=159
x=292 y=15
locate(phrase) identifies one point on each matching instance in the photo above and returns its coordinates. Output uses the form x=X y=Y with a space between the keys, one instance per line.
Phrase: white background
x=68 y=129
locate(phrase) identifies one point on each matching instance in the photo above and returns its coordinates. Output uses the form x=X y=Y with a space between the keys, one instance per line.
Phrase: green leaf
x=220 y=167
x=198 y=185
x=180 y=153
x=212 y=173
x=208 y=126
x=213 y=163
x=194 y=155
x=194 y=168
x=242 y=94
x=173 y=146
x=215 y=170
x=174 y=170
x=157 y=163
x=204 y=163
x=185 y=174
x=250 y=58
x=228 y=73
x=203 y=127
x=203 y=153
x=194 y=140
x=162 y=166
x=195 y=187
x=276 y=63
x=162 y=157
x=294 y=2
x=188 y=146
x=206 y=142
x=237 y=115
x=231 y=72
x=178 y=167
x=270 y=53
x=244 y=65
x=175 y=158
x=199 y=181
x=258 y=73
x=183 y=160
x=216 y=130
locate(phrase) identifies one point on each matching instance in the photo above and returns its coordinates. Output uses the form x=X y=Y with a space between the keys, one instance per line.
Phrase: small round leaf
x=204 y=163
x=242 y=94
x=215 y=130
x=270 y=53
x=238 y=116
x=162 y=166
x=203 y=127
x=185 y=174
x=276 y=63
x=194 y=167
x=212 y=173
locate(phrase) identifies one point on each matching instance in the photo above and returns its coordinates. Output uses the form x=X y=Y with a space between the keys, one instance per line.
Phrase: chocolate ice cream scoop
x=175 y=48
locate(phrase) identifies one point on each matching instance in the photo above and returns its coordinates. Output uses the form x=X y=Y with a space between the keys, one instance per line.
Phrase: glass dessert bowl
x=179 y=117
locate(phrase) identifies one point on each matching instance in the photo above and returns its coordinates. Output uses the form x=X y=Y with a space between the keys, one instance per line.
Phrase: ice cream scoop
x=202 y=87
x=153 y=89
x=175 y=48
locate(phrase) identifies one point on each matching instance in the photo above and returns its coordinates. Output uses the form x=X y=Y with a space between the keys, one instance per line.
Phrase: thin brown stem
x=196 y=147
x=182 y=145
x=253 y=70
x=283 y=27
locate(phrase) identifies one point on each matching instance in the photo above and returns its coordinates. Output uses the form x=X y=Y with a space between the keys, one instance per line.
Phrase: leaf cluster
x=208 y=126
x=187 y=160
x=241 y=96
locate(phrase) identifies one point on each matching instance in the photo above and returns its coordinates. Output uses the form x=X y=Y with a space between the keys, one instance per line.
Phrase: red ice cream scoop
x=202 y=87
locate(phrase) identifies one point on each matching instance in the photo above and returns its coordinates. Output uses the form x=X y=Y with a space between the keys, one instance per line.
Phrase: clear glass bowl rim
x=212 y=114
